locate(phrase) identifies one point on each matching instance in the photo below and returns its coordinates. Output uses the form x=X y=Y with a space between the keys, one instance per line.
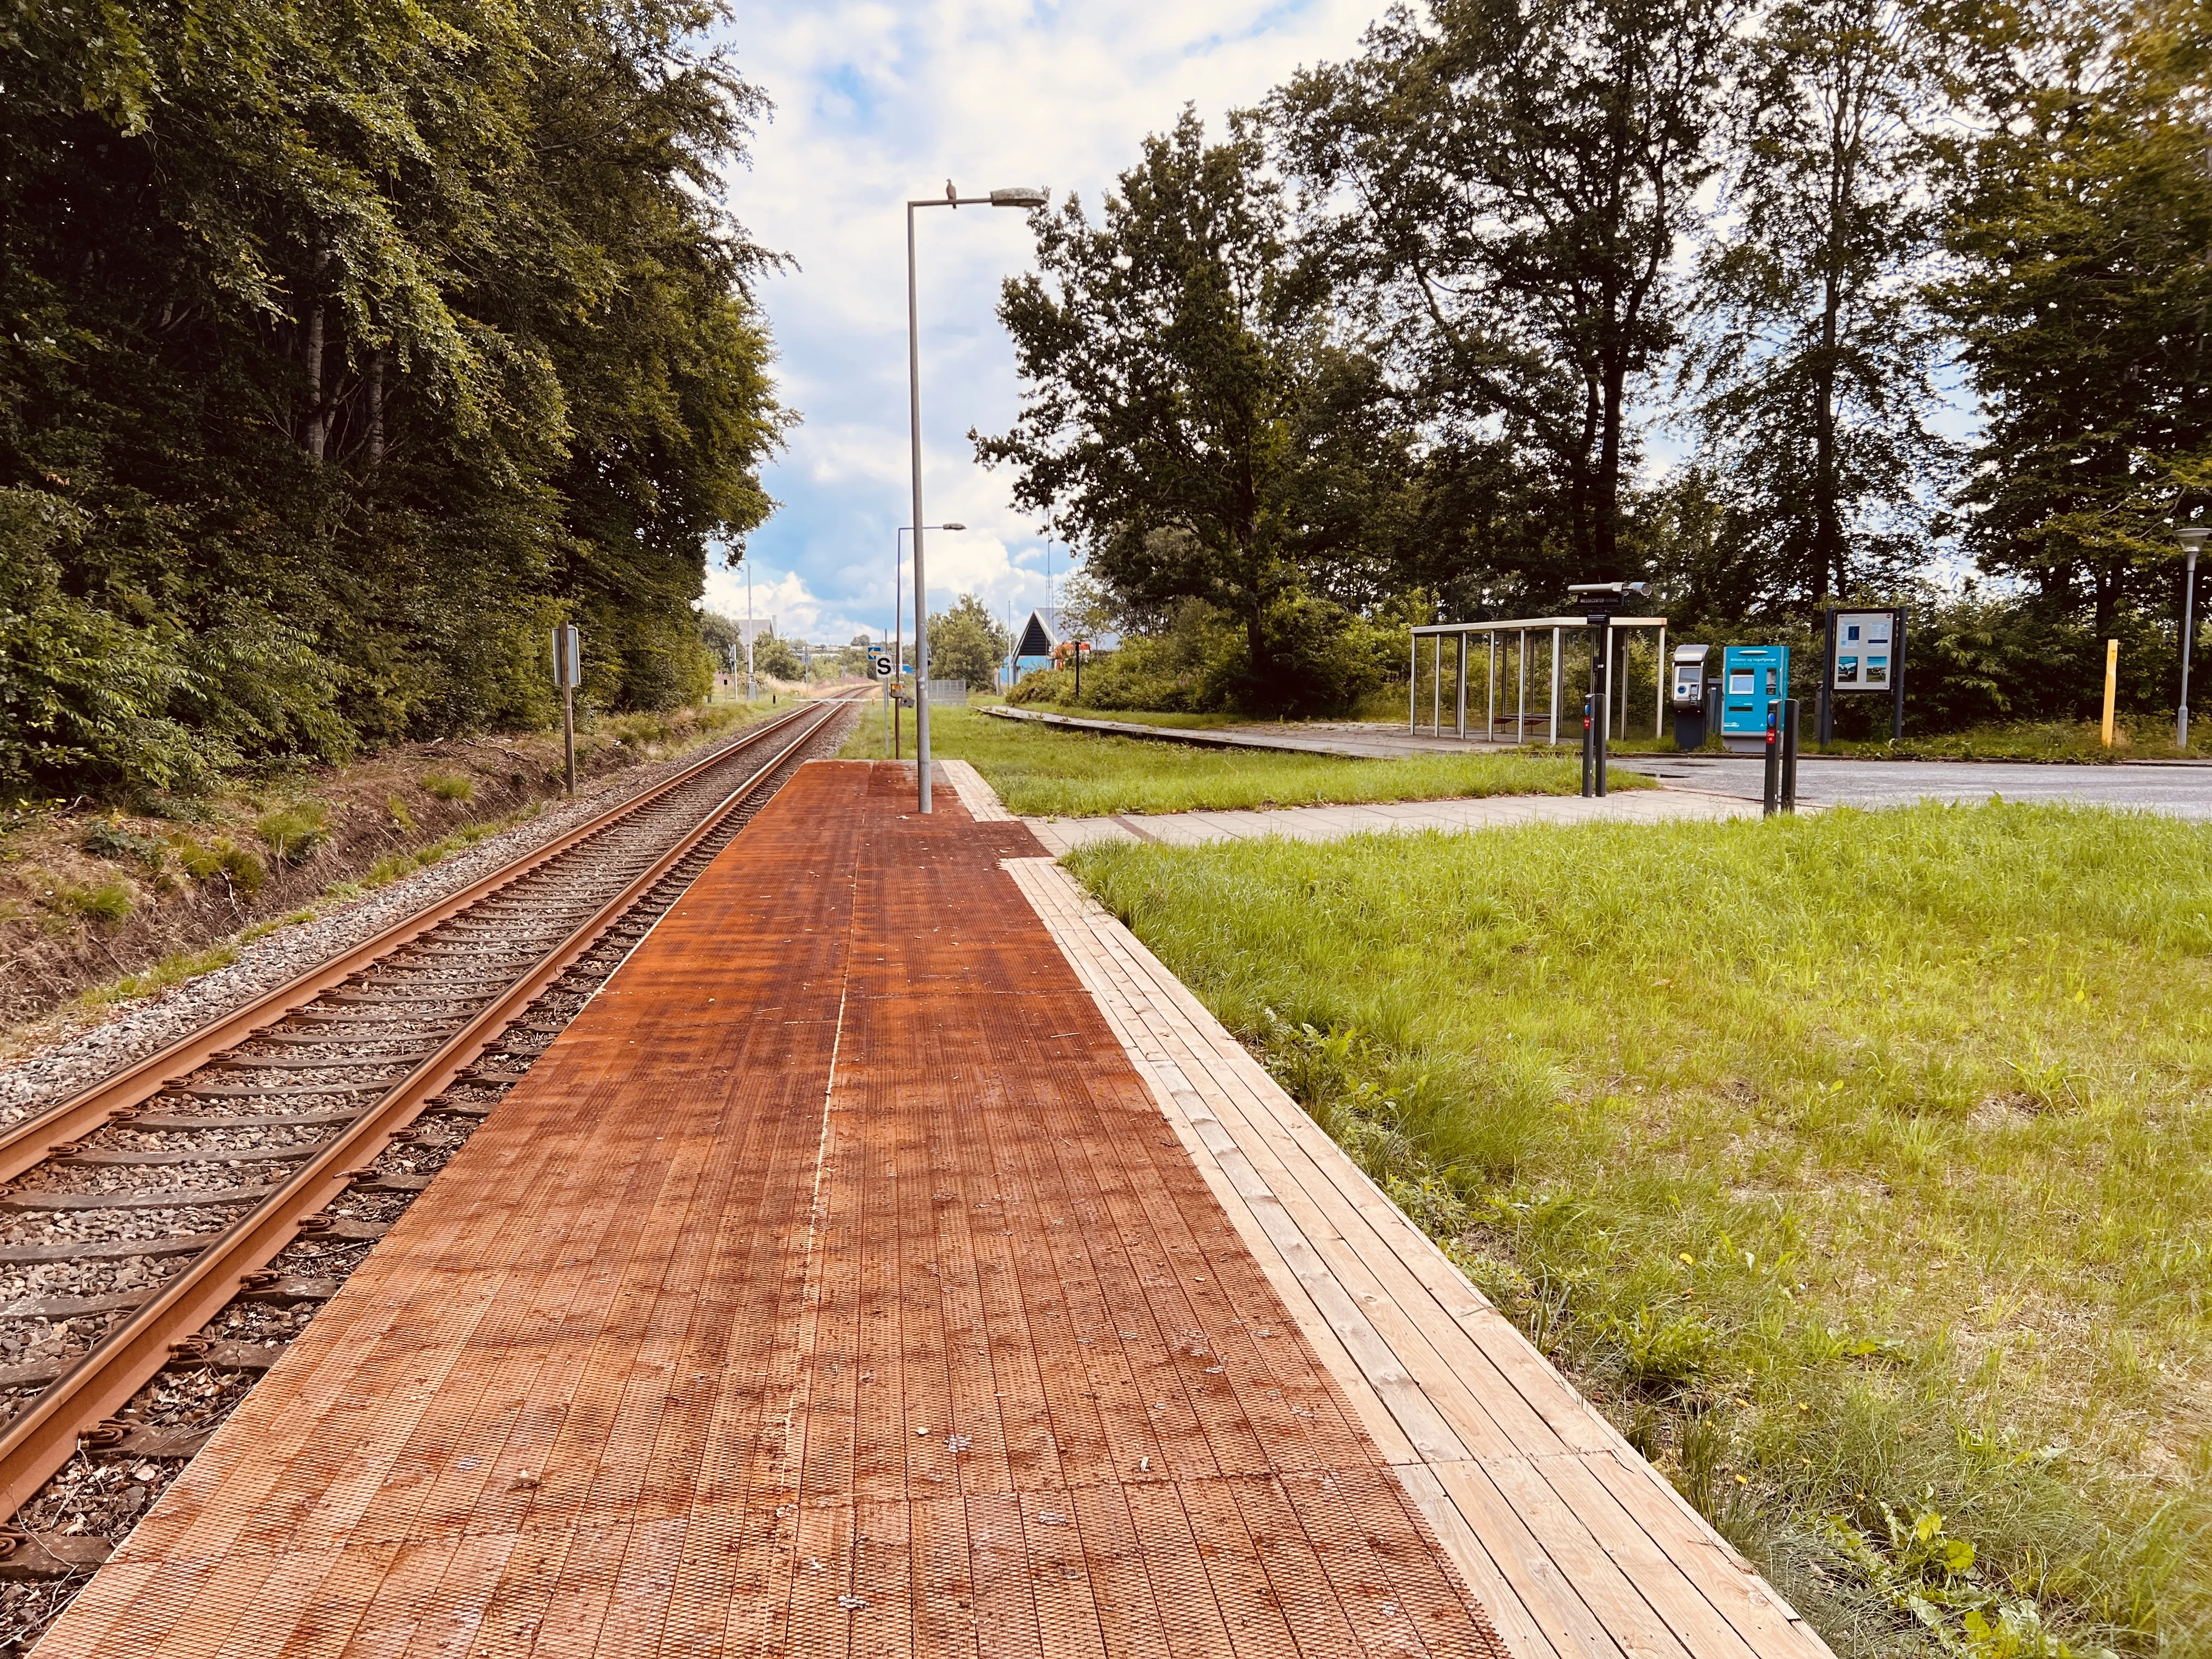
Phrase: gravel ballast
x=140 y=1029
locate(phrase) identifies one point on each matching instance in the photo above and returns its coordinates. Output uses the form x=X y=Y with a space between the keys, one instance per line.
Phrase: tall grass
x=1044 y=772
x=1859 y=1165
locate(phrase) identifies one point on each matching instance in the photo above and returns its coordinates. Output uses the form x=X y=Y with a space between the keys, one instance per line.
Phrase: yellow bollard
x=2111 y=684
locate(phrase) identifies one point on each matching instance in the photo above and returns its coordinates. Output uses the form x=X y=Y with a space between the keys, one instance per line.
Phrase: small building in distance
x=1041 y=638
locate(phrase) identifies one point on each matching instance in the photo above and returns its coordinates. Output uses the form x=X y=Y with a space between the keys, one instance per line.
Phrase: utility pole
x=749 y=630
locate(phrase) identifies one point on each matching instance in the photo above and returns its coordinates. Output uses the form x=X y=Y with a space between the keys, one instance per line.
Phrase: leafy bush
x=1322 y=659
x=110 y=838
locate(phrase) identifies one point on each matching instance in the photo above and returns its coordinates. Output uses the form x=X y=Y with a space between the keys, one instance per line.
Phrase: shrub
x=107 y=903
x=224 y=858
x=1321 y=659
x=293 y=832
x=110 y=838
x=450 y=786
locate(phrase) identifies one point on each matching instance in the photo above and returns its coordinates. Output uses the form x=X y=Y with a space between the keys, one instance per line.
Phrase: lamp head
x=948 y=525
x=1641 y=590
x=1020 y=196
x=2191 y=536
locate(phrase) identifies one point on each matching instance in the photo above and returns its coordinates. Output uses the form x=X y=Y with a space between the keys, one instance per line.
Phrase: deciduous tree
x=1813 y=368
x=1503 y=185
x=1190 y=416
x=2080 y=214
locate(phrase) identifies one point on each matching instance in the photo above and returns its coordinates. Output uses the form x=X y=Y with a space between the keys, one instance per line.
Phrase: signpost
x=1865 y=653
x=1600 y=602
x=879 y=664
x=568 y=675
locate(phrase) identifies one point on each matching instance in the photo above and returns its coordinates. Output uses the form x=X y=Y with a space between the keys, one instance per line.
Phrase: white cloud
x=879 y=102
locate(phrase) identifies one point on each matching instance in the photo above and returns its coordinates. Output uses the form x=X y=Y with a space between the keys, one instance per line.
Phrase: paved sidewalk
x=1357 y=740
x=1335 y=822
x=2179 y=789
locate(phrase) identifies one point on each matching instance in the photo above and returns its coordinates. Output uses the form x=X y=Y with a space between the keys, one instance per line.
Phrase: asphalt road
x=2183 y=791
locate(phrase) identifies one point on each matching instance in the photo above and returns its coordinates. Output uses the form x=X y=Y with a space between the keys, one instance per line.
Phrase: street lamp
x=2191 y=537
x=898 y=639
x=1013 y=196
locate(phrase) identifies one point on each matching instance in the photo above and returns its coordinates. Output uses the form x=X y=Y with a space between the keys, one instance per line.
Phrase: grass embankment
x=1043 y=771
x=109 y=906
x=1859 y=1166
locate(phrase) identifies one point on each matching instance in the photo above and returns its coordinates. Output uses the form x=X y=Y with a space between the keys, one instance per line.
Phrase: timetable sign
x=1864 y=650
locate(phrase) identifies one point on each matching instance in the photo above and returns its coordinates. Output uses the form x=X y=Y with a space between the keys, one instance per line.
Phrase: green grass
x=1860 y=1166
x=293 y=832
x=1042 y=772
x=175 y=969
x=108 y=902
x=1139 y=717
x=2076 y=741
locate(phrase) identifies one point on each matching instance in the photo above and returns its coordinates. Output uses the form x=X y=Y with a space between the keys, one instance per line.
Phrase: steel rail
x=42 y=1439
x=27 y=1142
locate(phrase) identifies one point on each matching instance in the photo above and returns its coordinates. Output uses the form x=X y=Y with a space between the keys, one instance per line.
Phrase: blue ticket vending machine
x=1753 y=677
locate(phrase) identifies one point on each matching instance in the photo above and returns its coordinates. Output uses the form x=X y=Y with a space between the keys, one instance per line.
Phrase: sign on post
x=568 y=675
x=568 y=656
x=1866 y=653
x=879 y=662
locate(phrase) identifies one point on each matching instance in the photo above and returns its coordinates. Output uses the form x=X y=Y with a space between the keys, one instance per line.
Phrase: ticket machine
x=1686 y=695
x=1753 y=677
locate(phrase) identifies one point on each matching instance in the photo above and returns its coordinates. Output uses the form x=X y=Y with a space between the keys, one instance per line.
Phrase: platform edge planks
x=1573 y=1543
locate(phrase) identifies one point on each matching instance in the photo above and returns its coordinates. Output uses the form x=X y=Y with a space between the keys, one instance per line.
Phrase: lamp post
x=898 y=622
x=2191 y=537
x=1017 y=196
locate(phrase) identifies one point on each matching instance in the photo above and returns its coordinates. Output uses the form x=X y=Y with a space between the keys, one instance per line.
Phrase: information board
x=1865 y=651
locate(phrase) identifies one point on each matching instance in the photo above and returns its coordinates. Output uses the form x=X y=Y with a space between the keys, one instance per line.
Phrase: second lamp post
x=1016 y=195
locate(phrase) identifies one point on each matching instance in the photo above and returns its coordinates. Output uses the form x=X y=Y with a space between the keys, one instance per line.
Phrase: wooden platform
x=1572 y=1542
x=831 y=1286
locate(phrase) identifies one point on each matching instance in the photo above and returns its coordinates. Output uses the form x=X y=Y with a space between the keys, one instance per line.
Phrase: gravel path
x=142 y=1027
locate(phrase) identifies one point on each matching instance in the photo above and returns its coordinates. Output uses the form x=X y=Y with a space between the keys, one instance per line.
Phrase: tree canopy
x=1528 y=292
x=347 y=350
x=1192 y=415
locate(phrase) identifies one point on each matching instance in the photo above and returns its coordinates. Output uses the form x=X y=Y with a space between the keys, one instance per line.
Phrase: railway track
x=164 y=1232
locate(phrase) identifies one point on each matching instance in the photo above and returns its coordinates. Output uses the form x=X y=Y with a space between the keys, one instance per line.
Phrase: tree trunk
x=1605 y=539
x=318 y=417
x=376 y=407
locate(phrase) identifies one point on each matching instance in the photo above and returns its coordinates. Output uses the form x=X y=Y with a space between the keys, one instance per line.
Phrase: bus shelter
x=1513 y=653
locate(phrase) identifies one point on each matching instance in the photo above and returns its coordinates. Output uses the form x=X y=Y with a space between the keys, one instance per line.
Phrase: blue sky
x=878 y=102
